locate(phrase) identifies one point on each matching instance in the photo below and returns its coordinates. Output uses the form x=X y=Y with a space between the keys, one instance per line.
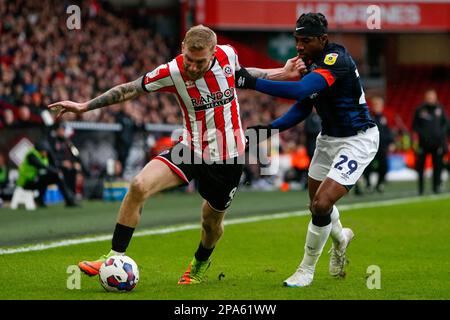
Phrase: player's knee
x=139 y=189
x=321 y=206
x=212 y=226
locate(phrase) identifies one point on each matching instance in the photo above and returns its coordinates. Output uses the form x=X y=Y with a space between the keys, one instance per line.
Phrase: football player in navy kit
x=346 y=145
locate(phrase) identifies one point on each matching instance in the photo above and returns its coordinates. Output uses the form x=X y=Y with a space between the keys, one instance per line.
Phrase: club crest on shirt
x=330 y=59
x=227 y=71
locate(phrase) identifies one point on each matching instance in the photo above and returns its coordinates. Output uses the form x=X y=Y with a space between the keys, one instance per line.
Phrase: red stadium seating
x=406 y=86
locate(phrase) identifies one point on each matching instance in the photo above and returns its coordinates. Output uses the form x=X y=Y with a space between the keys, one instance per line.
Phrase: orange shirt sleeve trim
x=327 y=75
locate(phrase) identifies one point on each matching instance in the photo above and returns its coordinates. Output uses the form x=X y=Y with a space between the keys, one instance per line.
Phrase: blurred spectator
x=431 y=124
x=380 y=162
x=35 y=173
x=24 y=119
x=300 y=164
x=6 y=118
x=403 y=141
x=113 y=171
x=313 y=126
x=124 y=138
x=66 y=157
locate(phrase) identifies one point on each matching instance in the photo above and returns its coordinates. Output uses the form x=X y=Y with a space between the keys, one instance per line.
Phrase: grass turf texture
x=23 y=227
x=408 y=242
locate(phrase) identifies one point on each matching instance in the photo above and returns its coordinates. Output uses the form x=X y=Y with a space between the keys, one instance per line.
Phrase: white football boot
x=301 y=278
x=337 y=258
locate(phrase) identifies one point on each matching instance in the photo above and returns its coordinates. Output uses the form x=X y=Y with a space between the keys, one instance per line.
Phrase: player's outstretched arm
x=296 y=90
x=296 y=114
x=292 y=70
x=119 y=93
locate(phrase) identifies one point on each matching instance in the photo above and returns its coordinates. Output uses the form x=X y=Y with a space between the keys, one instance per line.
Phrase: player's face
x=309 y=47
x=197 y=62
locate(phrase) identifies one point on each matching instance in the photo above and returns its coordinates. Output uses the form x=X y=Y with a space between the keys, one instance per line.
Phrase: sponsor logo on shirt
x=214 y=99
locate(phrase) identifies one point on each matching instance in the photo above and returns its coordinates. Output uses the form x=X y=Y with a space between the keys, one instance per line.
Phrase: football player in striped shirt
x=210 y=150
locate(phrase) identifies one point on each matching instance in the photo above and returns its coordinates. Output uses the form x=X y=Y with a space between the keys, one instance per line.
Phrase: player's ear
x=213 y=53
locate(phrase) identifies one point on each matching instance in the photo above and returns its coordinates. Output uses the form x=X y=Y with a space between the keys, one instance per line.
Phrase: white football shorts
x=344 y=159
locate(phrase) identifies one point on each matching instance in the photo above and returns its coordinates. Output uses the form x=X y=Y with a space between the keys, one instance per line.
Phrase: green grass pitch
x=408 y=242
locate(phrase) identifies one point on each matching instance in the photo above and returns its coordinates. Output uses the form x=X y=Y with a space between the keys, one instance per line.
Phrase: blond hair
x=200 y=37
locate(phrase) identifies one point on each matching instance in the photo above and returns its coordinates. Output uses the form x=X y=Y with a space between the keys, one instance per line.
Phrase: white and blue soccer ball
x=119 y=274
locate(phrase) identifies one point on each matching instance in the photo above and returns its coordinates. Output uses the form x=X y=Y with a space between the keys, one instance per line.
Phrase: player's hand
x=62 y=107
x=257 y=134
x=294 y=68
x=244 y=79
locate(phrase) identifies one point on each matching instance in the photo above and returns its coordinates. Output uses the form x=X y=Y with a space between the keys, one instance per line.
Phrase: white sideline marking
x=281 y=215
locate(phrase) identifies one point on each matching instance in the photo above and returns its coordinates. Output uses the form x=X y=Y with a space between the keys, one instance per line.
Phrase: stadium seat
x=25 y=197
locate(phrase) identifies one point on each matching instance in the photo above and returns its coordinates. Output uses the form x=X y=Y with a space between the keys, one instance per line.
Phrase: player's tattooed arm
x=117 y=94
x=120 y=93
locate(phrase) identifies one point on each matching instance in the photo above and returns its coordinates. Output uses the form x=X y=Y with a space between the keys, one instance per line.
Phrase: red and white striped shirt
x=210 y=107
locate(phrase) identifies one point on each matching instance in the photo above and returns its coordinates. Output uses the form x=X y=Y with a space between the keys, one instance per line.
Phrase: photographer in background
x=66 y=157
x=36 y=173
x=380 y=162
x=431 y=125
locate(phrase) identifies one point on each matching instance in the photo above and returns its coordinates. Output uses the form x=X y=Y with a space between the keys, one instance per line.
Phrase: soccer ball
x=119 y=274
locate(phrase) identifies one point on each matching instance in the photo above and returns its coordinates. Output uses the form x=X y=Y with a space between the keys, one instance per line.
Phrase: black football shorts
x=217 y=182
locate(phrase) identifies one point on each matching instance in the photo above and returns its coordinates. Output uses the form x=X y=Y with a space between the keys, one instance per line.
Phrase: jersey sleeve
x=333 y=67
x=235 y=61
x=158 y=80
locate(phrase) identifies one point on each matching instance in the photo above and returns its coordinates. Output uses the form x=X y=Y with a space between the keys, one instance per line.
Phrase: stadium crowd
x=41 y=61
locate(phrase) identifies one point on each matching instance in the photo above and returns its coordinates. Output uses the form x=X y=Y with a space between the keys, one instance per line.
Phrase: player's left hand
x=62 y=107
x=295 y=68
x=256 y=134
x=244 y=80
